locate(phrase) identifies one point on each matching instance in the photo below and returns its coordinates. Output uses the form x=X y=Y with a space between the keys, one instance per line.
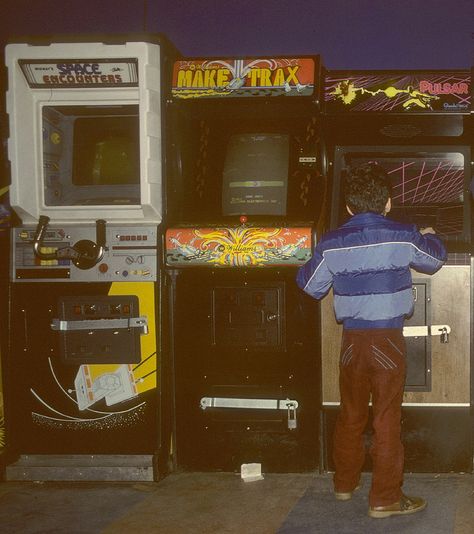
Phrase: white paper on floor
x=251 y=472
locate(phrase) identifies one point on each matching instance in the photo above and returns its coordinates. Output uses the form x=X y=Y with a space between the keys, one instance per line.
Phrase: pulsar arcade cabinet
x=245 y=193
x=82 y=371
x=417 y=126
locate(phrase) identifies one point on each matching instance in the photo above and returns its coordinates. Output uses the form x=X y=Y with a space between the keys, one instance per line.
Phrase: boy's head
x=367 y=188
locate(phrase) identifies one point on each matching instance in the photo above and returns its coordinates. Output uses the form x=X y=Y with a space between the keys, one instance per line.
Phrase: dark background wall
x=353 y=34
x=348 y=34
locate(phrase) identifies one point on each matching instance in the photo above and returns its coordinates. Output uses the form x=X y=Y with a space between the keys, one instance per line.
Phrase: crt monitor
x=430 y=185
x=255 y=174
x=91 y=155
x=265 y=168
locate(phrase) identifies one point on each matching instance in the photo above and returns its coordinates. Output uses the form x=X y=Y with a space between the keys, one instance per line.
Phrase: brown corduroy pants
x=372 y=367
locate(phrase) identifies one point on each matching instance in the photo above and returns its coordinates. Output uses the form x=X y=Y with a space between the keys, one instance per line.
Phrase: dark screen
x=255 y=176
x=106 y=151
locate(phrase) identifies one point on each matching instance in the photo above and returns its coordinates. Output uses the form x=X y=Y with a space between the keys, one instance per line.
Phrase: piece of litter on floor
x=251 y=472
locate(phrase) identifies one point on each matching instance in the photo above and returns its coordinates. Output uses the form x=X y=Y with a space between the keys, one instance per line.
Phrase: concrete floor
x=203 y=503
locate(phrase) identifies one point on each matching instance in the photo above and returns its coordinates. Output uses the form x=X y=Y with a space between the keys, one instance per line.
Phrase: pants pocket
x=346 y=354
x=389 y=354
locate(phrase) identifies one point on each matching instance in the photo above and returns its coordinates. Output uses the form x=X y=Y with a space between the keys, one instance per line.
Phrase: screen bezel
x=195 y=197
x=121 y=196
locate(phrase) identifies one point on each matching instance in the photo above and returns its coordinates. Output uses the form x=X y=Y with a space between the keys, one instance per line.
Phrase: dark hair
x=367 y=188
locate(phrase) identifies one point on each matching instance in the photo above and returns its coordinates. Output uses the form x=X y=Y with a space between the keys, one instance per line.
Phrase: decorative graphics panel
x=65 y=404
x=217 y=78
x=237 y=247
x=422 y=92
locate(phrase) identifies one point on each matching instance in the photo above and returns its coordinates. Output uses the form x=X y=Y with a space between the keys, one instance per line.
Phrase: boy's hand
x=427 y=230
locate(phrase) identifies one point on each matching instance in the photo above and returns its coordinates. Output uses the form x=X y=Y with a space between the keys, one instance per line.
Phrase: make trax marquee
x=225 y=78
x=86 y=73
x=409 y=92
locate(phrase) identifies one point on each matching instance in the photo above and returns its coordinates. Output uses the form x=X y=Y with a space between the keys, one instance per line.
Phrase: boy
x=367 y=262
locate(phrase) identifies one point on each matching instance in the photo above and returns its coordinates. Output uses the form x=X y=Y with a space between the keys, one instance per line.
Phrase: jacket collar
x=365 y=219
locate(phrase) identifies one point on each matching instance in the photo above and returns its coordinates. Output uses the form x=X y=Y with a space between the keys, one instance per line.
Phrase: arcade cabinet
x=243 y=198
x=417 y=126
x=5 y=223
x=82 y=373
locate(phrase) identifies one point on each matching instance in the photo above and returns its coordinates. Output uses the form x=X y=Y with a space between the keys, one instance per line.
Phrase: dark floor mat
x=319 y=512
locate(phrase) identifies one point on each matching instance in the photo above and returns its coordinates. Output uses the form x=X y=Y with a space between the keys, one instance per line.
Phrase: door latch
x=444 y=335
x=292 y=424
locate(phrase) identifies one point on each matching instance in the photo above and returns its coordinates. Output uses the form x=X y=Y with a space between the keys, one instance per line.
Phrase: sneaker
x=406 y=505
x=345 y=495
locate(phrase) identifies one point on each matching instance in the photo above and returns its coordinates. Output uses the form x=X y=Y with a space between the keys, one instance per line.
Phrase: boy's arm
x=314 y=277
x=429 y=252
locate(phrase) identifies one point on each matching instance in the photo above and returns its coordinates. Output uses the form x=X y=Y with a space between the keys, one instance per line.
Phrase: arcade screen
x=255 y=174
x=105 y=151
x=91 y=155
x=227 y=165
x=429 y=185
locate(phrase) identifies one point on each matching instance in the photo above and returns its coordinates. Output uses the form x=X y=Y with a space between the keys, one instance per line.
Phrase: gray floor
x=222 y=503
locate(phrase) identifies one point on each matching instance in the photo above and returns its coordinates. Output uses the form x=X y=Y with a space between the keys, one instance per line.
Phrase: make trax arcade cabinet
x=417 y=125
x=82 y=373
x=245 y=193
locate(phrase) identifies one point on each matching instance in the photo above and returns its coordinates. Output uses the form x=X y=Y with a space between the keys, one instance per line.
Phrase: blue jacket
x=367 y=262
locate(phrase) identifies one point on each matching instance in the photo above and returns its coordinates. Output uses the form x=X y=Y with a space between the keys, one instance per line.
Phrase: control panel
x=129 y=254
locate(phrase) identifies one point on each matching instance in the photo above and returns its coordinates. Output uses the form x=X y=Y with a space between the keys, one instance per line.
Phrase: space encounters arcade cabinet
x=417 y=125
x=243 y=196
x=82 y=376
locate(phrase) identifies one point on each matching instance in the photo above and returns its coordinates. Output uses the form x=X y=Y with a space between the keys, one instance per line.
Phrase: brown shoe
x=345 y=495
x=406 y=505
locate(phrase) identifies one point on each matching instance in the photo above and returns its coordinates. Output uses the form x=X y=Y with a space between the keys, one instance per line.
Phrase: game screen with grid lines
x=428 y=188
